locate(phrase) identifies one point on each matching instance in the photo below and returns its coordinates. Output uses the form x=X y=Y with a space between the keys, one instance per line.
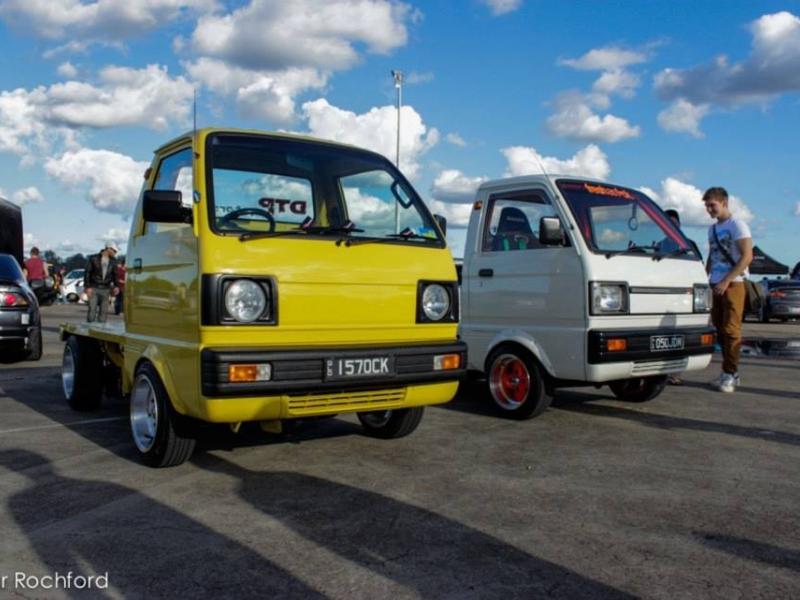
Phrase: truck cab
x=568 y=282
x=275 y=277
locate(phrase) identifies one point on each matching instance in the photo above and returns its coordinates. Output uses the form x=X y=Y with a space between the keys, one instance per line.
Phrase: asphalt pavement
x=692 y=495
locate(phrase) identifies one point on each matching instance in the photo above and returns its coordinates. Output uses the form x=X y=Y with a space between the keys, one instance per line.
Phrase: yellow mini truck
x=273 y=277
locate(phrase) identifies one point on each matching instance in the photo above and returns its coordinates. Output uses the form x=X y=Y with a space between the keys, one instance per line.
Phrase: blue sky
x=671 y=97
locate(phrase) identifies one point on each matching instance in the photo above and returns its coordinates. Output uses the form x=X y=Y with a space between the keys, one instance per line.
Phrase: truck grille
x=355 y=401
x=654 y=367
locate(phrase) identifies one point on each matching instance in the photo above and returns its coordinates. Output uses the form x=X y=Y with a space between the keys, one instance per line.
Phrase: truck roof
x=274 y=134
x=538 y=178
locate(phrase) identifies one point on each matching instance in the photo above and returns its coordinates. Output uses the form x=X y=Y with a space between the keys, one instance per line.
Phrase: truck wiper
x=304 y=228
x=260 y=235
x=676 y=252
x=406 y=234
x=632 y=249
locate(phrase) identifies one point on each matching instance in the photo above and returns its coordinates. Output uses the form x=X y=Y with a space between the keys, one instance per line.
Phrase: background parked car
x=73 y=285
x=20 y=322
x=782 y=301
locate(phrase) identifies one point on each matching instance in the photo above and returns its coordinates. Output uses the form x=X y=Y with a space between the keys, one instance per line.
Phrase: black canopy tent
x=764 y=264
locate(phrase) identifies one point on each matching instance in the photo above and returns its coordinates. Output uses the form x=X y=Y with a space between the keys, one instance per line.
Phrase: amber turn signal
x=617 y=344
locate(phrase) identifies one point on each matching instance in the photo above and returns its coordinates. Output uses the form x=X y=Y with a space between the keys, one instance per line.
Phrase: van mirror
x=550 y=231
x=442 y=223
x=165 y=206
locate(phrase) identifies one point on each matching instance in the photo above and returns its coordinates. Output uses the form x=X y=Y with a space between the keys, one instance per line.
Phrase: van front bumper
x=646 y=352
x=309 y=370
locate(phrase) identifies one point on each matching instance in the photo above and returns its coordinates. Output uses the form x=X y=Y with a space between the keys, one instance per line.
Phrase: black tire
x=516 y=383
x=389 y=424
x=35 y=345
x=82 y=374
x=638 y=389
x=162 y=436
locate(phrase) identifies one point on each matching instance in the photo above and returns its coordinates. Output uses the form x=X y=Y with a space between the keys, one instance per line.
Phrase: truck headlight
x=701 y=303
x=608 y=298
x=245 y=300
x=437 y=302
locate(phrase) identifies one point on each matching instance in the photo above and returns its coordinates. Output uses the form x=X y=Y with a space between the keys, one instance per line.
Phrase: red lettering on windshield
x=607 y=191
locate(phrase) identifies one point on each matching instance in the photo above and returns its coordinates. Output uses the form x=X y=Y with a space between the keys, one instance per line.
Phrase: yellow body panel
x=327 y=296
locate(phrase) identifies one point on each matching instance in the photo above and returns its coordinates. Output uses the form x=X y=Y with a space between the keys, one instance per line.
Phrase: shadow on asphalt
x=580 y=403
x=402 y=542
x=750 y=390
x=147 y=548
x=39 y=388
x=768 y=554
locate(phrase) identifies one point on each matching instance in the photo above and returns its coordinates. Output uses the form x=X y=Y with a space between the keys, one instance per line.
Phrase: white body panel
x=539 y=297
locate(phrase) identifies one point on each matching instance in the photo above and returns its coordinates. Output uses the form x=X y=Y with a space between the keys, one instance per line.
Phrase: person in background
x=35 y=267
x=100 y=282
x=730 y=253
x=120 y=286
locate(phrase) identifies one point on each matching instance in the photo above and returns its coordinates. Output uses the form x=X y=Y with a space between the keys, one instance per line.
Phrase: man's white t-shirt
x=728 y=232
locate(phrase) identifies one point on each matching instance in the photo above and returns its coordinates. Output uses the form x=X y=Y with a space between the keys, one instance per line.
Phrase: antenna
x=541 y=164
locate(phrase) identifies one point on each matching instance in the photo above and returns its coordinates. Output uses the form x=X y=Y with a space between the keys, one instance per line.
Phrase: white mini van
x=569 y=282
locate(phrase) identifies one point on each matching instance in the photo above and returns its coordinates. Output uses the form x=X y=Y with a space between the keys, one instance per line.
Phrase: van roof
x=273 y=134
x=538 y=178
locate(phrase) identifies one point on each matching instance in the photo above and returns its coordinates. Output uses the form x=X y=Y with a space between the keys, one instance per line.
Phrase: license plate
x=358 y=367
x=660 y=343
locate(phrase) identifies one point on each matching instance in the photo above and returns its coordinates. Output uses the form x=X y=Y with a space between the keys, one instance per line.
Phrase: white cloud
x=67 y=70
x=27 y=195
x=106 y=20
x=415 y=78
x=457 y=215
x=502 y=7
x=115 y=235
x=610 y=58
x=797 y=210
x=375 y=130
x=688 y=201
x=263 y=94
x=29 y=240
x=20 y=125
x=618 y=81
x=455 y=139
x=452 y=186
x=574 y=119
x=683 y=117
x=146 y=97
x=114 y=180
x=588 y=162
x=322 y=34
x=773 y=67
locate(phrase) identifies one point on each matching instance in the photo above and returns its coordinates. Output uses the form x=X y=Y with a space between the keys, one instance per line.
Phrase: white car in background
x=72 y=288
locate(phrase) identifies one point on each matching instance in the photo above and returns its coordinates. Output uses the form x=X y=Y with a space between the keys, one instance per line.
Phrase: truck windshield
x=264 y=185
x=617 y=220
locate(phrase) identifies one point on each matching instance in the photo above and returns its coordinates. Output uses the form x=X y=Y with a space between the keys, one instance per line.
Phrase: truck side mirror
x=550 y=231
x=442 y=223
x=165 y=206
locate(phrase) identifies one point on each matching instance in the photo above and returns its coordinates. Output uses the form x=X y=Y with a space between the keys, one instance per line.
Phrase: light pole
x=398 y=84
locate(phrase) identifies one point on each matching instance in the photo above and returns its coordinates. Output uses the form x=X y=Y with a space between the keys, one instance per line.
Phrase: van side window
x=174 y=173
x=512 y=221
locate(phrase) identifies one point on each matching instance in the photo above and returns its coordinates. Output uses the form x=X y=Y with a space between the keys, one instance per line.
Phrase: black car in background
x=20 y=321
x=782 y=300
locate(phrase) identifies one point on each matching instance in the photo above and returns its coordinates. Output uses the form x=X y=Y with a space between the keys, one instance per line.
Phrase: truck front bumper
x=305 y=383
x=625 y=353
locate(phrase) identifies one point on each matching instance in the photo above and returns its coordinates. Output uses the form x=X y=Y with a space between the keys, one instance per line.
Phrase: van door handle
x=486 y=273
x=137 y=265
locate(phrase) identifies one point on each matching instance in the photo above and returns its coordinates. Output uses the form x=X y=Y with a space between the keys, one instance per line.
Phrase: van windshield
x=261 y=184
x=617 y=220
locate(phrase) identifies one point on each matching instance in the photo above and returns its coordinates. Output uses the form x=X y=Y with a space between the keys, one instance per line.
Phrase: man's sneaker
x=728 y=383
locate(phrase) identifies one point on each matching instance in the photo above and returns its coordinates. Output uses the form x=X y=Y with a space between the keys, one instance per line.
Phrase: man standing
x=730 y=253
x=100 y=281
x=35 y=267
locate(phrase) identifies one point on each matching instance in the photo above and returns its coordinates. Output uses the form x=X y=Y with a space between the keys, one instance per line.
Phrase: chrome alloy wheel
x=144 y=414
x=376 y=418
x=509 y=381
x=68 y=372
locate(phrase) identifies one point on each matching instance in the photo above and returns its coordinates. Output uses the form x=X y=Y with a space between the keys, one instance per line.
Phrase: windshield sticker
x=279 y=205
x=607 y=191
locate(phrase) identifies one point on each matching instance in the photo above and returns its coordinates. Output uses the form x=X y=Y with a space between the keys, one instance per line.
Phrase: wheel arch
x=154 y=357
x=523 y=341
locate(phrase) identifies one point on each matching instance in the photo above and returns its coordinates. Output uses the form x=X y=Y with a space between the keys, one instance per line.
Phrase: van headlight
x=245 y=300
x=608 y=298
x=701 y=303
x=437 y=302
